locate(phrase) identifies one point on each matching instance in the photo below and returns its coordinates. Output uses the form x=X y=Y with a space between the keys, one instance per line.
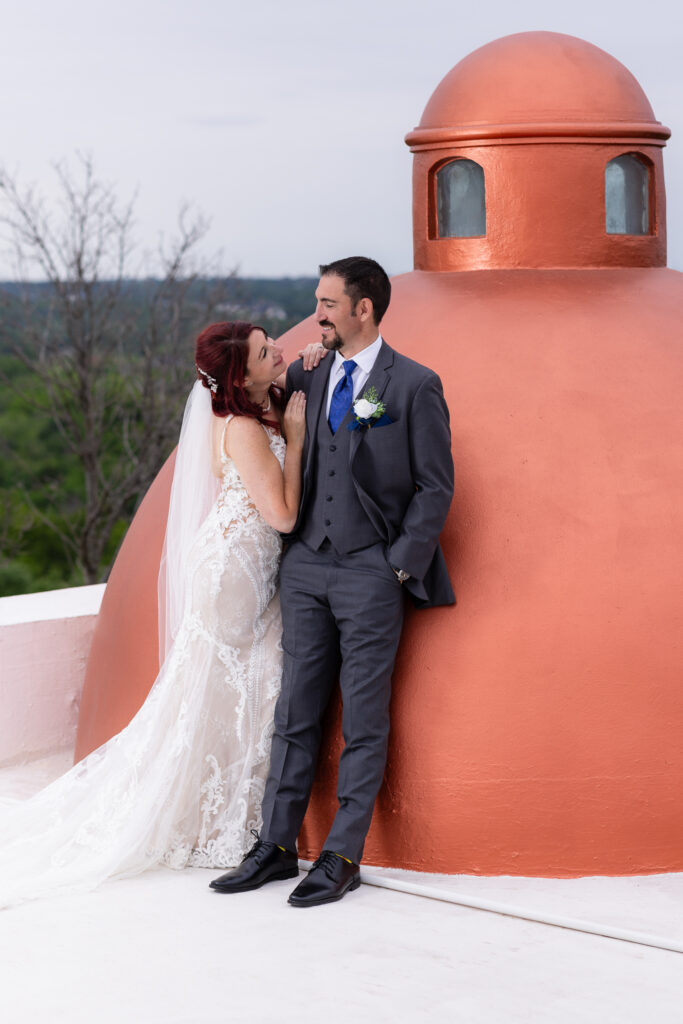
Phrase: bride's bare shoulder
x=244 y=433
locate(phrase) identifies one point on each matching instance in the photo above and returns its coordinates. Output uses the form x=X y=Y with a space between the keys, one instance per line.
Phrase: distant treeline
x=276 y=303
x=47 y=505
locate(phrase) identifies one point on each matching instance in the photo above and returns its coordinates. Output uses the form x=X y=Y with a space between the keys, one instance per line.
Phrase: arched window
x=627 y=196
x=460 y=200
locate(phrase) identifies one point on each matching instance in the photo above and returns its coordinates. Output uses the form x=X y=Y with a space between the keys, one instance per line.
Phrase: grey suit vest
x=333 y=510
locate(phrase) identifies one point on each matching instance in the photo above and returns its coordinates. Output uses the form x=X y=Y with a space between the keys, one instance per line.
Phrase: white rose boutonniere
x=369 y=411
x=364 y=409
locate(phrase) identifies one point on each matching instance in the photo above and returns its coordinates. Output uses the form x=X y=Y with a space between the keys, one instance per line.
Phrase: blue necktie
x=342 y=396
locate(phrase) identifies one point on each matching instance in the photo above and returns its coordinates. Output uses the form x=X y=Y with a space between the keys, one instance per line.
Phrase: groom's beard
x=333 y=343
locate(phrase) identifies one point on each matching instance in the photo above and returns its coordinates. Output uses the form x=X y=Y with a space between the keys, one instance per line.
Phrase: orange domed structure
x=536 y=726
x=541 y=114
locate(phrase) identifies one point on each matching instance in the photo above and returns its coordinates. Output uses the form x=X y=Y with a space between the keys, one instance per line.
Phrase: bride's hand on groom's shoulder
x=295 y=419
x=312 y=355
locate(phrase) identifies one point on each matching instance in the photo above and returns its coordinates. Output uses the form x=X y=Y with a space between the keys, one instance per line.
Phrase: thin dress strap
x=224 y=454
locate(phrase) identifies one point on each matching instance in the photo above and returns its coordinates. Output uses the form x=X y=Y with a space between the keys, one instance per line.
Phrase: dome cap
x=537 y=84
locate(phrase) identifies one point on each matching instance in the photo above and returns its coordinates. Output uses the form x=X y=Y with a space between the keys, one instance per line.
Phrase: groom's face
x=335 y=313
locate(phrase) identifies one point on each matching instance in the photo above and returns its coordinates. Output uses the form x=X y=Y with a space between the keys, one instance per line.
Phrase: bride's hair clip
x=211 y=381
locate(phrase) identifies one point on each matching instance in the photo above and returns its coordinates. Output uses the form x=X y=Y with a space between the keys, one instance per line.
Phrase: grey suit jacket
x=402 y=471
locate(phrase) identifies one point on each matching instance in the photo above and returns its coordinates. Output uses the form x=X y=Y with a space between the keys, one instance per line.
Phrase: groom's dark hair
x=363 y=279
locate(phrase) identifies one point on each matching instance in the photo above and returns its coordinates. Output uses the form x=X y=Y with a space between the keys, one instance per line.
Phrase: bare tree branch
x=114 y=369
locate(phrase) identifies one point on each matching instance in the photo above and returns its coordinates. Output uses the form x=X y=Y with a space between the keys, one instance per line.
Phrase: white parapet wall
x=44 y=645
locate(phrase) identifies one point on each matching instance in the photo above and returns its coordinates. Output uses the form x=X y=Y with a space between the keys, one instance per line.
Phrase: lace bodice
x=234 y=507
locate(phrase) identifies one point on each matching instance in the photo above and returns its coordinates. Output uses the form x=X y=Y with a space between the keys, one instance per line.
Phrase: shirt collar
x=364 y=359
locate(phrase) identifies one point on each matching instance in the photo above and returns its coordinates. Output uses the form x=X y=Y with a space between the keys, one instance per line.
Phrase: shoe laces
x=328 y=861
x=259 y=848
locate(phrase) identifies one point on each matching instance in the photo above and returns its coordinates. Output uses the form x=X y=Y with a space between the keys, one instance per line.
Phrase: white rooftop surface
x=164 y=948
x=68 y=603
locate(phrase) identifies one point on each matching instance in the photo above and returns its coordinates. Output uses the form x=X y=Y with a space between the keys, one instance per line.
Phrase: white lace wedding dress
x=182 y=784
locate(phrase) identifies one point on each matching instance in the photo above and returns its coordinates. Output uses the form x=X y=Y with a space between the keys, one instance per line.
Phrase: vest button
x=333 y=447
x=328 y=497
x=328 y=523
x=331 y=473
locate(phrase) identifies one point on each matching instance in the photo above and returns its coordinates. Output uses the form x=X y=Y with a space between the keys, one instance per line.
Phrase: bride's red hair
x=221 y=353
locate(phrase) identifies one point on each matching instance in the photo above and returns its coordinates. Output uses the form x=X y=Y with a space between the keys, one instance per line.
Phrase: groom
x=377 y=485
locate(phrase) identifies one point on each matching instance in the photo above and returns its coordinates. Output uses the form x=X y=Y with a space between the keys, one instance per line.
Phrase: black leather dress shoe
x=330 y=878
x=265 y=862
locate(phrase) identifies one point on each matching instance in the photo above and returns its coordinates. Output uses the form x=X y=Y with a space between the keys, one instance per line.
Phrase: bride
x=182 y=784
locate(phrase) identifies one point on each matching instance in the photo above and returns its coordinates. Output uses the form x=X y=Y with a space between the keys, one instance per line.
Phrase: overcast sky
x=283 y=121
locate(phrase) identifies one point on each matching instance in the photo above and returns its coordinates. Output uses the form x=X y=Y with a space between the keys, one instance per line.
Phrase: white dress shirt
x=364 y=361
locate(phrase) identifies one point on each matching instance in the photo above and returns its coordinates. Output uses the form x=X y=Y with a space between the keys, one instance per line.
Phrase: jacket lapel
x=380 y=375
x=314 y=402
